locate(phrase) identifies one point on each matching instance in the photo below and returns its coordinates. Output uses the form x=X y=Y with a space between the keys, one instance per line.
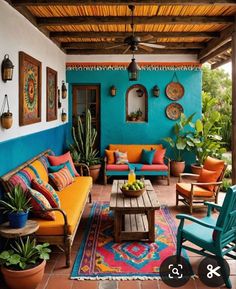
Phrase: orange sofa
x=134 y=152
x=73 y=199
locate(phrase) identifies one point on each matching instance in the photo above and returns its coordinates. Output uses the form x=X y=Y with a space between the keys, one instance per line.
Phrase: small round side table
x=7 y=232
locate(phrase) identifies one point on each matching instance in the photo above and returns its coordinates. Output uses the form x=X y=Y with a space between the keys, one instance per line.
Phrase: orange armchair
x=205 y=188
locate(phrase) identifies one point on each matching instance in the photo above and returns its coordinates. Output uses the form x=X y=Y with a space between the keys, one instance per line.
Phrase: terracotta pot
x=6 y=120
x=94 y=172
x=25 y=279
x=196 y=169
x=176 y=168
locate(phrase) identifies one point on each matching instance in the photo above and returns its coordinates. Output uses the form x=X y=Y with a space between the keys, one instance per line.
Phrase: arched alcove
x=136 y=103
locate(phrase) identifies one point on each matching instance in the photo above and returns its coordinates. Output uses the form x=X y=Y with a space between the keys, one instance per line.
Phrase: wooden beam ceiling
x=105 y=45
x=212 y=45
x=216 y=52
x=120 y=2
x=100 y=20
x=139 y=34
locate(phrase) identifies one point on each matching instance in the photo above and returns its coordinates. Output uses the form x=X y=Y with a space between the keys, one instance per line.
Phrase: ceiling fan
x=135 y=42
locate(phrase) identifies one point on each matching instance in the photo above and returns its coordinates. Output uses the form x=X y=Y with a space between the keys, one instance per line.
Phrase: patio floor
x=57 y=276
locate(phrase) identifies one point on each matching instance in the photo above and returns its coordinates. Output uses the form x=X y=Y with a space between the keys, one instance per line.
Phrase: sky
x=228 y=68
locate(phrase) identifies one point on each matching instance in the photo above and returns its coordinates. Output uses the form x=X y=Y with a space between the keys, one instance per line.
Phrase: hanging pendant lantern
x=133 y=70
x=7 y=68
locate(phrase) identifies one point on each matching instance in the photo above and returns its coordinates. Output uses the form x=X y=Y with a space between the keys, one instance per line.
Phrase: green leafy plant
x=15 y=201
x=226 y=184
x=180 y=141
x=24 y=254
x=205 y=140
x=84 y=137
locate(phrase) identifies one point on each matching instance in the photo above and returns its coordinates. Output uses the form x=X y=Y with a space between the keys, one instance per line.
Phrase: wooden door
x=87 y=97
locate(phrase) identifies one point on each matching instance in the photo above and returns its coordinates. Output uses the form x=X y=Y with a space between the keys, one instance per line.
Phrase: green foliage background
x=217 y=85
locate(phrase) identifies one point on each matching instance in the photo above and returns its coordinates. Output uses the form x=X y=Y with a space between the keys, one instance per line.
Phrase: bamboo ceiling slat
x=60 y=11
x=139 y=28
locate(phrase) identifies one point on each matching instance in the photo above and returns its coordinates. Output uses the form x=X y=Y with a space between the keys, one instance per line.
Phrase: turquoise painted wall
x=16 y=151
x=114 y=128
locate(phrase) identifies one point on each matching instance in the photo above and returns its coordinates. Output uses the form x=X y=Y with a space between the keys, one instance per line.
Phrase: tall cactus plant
x=84 y=137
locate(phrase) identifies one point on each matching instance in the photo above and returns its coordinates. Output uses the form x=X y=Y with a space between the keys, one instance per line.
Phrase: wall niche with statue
x=136 y=103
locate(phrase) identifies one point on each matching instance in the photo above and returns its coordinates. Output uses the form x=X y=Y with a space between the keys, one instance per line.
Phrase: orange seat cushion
x=212 y=164
x=207 y=176
x=154 y=168
x=72 y=199
x=115 y=167
x=134 y=151
x=110 y=154
x=185 y=189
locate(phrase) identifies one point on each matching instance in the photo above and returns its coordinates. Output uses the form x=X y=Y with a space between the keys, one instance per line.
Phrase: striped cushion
x=23 y=178
x=40 y=203
x=46 y=190
x=61 y=179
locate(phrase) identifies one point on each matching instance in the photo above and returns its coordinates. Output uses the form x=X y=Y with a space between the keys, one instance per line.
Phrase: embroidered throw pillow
x=61 y=179
x=147 y=156
x=46 y=190
x=121 y=158
x=58 y=160
x=159 y=156
x=110 y=154
x=39 y=203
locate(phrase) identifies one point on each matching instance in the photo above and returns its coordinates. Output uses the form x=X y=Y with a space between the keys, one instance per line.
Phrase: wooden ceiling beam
x=71 y=34
x=104 y=45
x=100 y=20
x=119 y=51
x=119 y=2
x=213 y=44
x=220 y=63
x=216 y=52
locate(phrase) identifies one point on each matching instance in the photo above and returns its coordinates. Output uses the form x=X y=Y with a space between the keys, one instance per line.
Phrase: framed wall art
x=51 y=94
x=30 y=73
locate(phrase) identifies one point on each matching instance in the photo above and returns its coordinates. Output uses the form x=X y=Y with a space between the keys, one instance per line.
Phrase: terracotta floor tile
x=85 y=284
x=190 y=285
x=149 y=284
x=60 y=267
x=129 y=284
x=59 y=281
x=44 y=282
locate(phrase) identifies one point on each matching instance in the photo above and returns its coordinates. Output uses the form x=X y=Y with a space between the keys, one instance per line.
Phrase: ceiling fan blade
x=126 y=49
x=148 y=49
x=147 y=37
x=115 y=46
x=152 y=45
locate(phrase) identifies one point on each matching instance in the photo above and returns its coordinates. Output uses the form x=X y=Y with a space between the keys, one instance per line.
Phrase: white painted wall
x=18 y=34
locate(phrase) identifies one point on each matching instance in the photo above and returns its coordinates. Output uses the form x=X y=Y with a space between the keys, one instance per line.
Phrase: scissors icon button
x=212 y=271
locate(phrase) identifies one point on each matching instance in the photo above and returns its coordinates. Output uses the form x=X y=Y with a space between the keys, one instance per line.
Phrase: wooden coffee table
x=134 y=218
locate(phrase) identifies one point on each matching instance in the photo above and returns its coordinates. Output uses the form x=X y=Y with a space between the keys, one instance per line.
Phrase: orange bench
x=73 y=199
x=134 y=152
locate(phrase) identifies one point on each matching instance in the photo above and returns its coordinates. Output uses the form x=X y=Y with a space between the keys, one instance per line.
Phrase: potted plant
x=205 y=140
x=139 y=114
x=83 y=150
x=179 y=143
x=17 y=205
x=133 y=116
x=23 y=265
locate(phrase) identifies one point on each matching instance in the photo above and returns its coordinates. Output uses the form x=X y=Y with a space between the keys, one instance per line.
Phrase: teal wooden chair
x=216 y=237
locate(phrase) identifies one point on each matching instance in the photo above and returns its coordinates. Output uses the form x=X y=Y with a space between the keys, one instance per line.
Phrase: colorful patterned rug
x=100 y=258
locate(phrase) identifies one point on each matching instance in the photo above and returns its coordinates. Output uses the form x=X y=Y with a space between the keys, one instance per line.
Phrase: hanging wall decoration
x=6 y=117
x=51 y=94
x=174 y=110
x=174 y=90
x=29 y=89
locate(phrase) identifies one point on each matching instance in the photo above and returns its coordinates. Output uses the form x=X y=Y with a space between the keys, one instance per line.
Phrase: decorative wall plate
x=174 y=110
x=174 y=90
